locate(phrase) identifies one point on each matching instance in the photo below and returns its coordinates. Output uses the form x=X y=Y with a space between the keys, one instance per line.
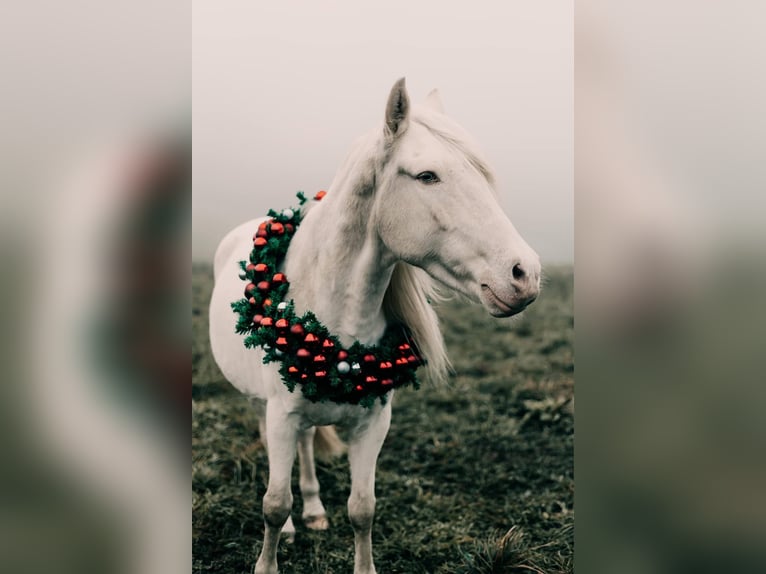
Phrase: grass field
x=475 y=477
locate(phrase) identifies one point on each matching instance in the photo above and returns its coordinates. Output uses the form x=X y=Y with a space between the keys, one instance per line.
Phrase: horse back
x=242 y=367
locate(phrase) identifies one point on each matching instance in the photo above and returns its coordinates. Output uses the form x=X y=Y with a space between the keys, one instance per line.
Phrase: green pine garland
x=311 y=357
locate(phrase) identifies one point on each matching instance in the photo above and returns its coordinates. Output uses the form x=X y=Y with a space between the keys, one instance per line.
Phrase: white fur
x=356 y=262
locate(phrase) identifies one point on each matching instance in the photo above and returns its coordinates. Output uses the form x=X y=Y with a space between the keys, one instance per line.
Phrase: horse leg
x=282 y=435
x=314 y=515
x=363 y=453
x=288 y=530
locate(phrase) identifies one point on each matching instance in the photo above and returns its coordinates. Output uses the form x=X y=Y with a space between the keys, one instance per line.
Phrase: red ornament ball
x=249 y=289
x=279 y=278
x=297 y=329
x=260 y=242
x=277 y=228
x=282 y=324
x=311 y=339
x=261 y=268
x=369 y=358
x=302 y=353
x=328 y=344
x=320 y=195
x=342 y=355
x=264 y=285
x=267 y=322
x=281 y=342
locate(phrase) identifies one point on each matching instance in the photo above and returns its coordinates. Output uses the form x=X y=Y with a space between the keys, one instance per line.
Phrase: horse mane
x=408 y=300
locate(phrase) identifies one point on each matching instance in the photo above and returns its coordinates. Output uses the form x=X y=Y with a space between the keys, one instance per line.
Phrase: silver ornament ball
x=343 y=367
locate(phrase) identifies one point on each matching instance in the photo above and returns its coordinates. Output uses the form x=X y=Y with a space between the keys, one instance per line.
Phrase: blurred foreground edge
x=670 y=438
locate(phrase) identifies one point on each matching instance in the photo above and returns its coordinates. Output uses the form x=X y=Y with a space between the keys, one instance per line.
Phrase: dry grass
x=475 y=477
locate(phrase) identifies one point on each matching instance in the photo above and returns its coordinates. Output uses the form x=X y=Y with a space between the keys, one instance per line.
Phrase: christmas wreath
x=311 y=357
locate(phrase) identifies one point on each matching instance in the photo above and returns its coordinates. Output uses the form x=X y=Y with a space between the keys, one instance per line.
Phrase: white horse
x=413 y=202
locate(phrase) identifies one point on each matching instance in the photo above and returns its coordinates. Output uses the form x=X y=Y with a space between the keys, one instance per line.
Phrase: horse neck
x=338 y=266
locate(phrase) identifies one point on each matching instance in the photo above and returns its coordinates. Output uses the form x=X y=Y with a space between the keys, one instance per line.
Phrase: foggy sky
x=281 y=90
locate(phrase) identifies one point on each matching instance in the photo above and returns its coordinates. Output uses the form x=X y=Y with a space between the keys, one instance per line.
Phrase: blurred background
x=94 y=239
x=669 y=204
x=94 y=221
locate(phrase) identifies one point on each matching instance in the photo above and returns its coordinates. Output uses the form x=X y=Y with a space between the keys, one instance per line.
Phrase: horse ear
x=434 y=101
x=397 y=110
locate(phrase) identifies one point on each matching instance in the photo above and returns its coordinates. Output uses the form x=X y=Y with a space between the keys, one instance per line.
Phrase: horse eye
x=427 y=177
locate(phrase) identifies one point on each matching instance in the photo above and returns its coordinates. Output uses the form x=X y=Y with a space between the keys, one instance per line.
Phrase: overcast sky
x=281 y=90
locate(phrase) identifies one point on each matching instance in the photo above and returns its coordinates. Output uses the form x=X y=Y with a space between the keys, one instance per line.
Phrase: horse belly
x=309 y=413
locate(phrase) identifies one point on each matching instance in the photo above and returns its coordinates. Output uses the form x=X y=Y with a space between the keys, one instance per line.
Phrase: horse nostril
x=518 y=272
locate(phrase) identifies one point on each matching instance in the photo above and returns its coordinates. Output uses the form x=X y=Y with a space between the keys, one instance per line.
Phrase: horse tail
x=327 y=443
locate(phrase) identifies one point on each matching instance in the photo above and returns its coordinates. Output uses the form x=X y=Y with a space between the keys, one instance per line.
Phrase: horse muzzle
x=505 y=307
x=507 y=300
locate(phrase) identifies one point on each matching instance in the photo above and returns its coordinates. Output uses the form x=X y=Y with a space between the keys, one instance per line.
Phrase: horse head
x=436 y=208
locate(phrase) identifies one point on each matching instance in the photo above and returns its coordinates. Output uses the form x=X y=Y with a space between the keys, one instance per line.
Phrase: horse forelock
x=408 y=301
x=450 y=133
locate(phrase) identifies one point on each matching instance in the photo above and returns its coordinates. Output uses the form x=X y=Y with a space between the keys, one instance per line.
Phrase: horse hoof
x=287 y=537
x=316 y=522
